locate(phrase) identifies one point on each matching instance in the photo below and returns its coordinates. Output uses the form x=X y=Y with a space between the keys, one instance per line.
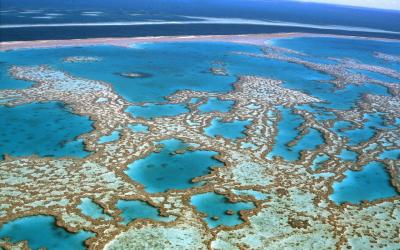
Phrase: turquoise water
x=139 y=128
x=184 y=65
x=7 y=82
x=214 y=204
x=150 y=111
x=393 y=154
x=44 y=129
x=109 y=138
x=372 y=122
x=371 y=183
x=167 y=170
x=288 y=131
x=319 y=161
x=214 y=104
x=135 y=209
x=319 y=113
x=194 y=100
x=89 y=208
x=230 y=130
x=41 y=232
x=347 y=97
x=348 y=155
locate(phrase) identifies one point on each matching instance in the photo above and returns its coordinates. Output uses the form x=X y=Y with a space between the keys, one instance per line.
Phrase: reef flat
x=155 y=177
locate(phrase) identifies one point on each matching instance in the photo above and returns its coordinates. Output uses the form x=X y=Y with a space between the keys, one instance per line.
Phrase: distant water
x=181 y=17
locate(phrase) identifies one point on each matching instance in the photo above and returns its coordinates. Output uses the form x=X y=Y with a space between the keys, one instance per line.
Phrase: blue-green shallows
x=150 y=111
x=216 y=207
x=392 y=154
x=348 y=155
x=230 y=130
x=288 y=131
x=167 y=169
x=89 y=208
x=372 y=182
x=44 y=129
x=214 y=104
x=139 y=128
x=109 y=138
x=41 y=232
x=135 y=209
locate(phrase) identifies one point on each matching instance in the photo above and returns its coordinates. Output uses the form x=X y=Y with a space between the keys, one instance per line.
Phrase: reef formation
x=276 y=202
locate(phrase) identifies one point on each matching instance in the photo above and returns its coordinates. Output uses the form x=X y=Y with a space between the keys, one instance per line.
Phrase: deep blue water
x=41 y=232
x=44 y=129
x=301 y=15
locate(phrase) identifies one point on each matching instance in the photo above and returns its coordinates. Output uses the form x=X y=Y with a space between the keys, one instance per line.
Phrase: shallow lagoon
x=41 y=232
x=109 y=138
x=214 y=104
x=89 y=208
x=288 y=130
x=44 y=129
x=372 y=122
x=216 y=205
x=149 y=111
x=169 y=169
x=138 y=128
x=371 y=183
x=135 y=209
x=230 y=130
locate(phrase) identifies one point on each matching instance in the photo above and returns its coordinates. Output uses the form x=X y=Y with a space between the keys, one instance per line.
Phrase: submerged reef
x=134 y=74
x=268 y=164
x=78 y=59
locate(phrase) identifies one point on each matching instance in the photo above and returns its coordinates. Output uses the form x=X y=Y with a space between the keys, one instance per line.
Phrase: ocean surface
x=30 y=20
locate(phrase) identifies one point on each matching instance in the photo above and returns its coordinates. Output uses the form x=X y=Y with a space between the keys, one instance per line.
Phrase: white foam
x=206 y=20
x=92 y=12
x=54 y=14
x=89 y=14
x=42 y=17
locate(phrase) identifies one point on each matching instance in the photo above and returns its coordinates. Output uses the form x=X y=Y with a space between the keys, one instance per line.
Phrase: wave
x=205 y=20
